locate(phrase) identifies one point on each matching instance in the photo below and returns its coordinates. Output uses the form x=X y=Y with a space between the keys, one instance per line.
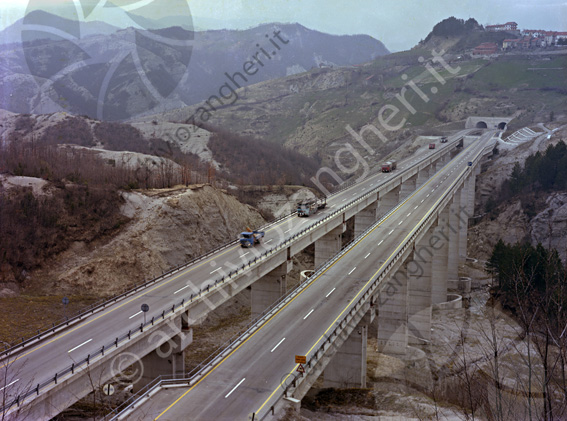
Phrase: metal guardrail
x=204 y=367
x=99 y=353
x=54 y=328
x=9 y=349
x=371 y=286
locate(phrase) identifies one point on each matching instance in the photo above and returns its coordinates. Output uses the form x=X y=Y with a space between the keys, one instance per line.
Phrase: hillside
x=144 y=154
x=310 y=112
x=457 y=36
x=536 y=219
x=113 y=74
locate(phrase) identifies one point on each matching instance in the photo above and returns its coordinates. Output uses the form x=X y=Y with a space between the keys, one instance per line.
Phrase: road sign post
x=108 y=389
x=65 y=301
x=145 y=309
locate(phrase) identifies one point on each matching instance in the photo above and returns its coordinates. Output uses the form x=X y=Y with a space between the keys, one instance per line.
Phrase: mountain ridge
x=130 y=71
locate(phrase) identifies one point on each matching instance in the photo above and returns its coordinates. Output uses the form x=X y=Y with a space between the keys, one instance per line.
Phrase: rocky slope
x=548 y=226
x=167 y=228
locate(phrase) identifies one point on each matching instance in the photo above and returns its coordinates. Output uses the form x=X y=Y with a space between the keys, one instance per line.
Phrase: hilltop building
x=505 y=27
x=485 y=49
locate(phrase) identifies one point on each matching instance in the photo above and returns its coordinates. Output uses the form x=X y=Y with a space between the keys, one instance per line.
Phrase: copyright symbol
x=127 y=368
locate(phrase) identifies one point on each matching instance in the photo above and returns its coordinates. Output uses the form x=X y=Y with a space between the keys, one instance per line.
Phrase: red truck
x=432 y=146
x=389 y=166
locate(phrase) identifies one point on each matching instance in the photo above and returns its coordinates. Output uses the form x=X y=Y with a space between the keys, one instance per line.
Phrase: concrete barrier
x=454 y=301
x=305 y=274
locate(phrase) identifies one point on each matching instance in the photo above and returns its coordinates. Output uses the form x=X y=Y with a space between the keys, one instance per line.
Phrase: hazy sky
x=400 y=24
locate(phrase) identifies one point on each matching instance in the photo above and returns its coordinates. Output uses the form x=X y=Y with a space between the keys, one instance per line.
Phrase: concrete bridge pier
x=269 y=288
x=440 y=261
x=419 y=269
x=167 y=359
x=365 y=218
x=441 y=162
x=348 y=366
x=329 y=245
x=408 y=187
x=464 y=216
x=393 y=314
x=454 y=236
x=423 y=175
x=388 y=201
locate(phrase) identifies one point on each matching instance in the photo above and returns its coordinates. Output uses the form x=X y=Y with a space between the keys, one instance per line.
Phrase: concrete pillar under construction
x=393 y=314
x=269 y=288
x=329 y=245
x=365 y=218
x=348 y=366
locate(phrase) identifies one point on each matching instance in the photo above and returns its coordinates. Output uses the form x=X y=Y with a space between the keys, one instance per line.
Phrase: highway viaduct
x=51 y=377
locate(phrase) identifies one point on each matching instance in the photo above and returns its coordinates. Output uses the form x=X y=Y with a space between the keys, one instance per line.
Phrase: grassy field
x=523 y=73
x=23 y=315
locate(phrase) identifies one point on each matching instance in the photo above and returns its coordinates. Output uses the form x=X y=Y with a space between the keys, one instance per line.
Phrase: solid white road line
x=84 y=343
x=330 y=292
x=179 y=290
x=8 y=385
x=279 y=343
x=139 y=312
x=234 y=388
x=307 y=315
x=352 y=270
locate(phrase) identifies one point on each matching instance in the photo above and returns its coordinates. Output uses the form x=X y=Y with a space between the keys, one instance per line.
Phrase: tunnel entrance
x=502 y=126
x=481 y=125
